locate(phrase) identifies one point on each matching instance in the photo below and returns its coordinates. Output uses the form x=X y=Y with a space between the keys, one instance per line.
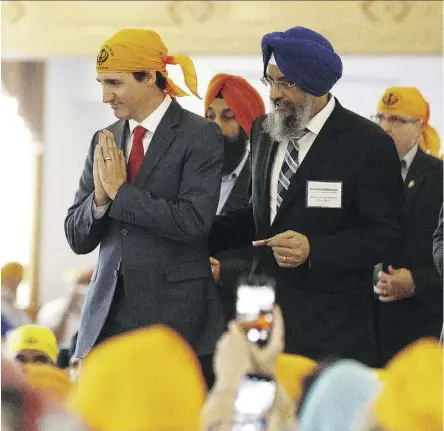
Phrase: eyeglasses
x=268 y=81
x=394 y=120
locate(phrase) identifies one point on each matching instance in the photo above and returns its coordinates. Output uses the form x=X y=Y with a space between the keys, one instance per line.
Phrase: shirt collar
x=408 y=158
x=152 y=121
x=317 y=122
x=240 y=166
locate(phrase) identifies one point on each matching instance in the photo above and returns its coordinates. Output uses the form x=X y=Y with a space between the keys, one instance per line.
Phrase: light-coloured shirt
x=52 y=312
x=314 y=126
x=10 y=311
x=150 y=124
x=228 y=182
x=408 y=160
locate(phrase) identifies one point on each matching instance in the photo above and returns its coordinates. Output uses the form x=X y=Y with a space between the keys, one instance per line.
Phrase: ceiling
x=71 y=28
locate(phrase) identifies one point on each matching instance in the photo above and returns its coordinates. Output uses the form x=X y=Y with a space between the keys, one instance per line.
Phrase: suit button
x=116 y=273
x=124 y=232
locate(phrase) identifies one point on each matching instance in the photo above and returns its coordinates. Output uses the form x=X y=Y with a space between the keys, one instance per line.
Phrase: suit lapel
x=414 y=178
x=121 y=135
x=318 y=152
x=270 y=147
x=160 y=142
x=239 y=192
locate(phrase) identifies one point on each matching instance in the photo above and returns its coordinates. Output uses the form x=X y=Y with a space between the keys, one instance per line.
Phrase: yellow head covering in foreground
x=48 y=379
x=291 y=370
x=409 y=102
x=144 y=380
x=412 y=394
x=132 y=50
x=32 y=337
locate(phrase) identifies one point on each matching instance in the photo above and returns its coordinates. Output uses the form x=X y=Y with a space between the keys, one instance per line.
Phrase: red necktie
x=137 y=153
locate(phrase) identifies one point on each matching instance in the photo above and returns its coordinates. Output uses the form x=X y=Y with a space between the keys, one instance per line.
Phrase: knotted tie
x=289 y=167
x=137 y=153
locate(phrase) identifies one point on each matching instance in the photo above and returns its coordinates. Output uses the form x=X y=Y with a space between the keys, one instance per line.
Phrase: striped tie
x=289 y=167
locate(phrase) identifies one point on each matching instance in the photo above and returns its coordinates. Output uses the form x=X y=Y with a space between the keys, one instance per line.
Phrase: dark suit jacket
x=155 y=234
x=402 y=322
x=437 y=244
x=327 y=302
x=236 y=263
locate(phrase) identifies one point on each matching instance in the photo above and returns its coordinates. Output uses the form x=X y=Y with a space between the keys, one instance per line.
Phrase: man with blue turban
x=326 y=201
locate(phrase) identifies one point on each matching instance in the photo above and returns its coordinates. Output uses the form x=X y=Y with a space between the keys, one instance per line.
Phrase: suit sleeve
x=379 y=199
x=82 y=230
x=437 y=245
x=188 y=218
x=234 y=264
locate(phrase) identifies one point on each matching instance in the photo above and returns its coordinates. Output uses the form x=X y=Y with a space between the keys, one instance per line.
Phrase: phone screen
x=254 y=398
x=254 y=307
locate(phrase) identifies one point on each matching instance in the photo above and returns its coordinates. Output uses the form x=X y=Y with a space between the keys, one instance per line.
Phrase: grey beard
x=282 y=128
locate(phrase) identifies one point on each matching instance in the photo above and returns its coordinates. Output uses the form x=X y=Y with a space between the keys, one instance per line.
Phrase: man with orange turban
x=409 y=286
x=233 y=104
x=148 y=196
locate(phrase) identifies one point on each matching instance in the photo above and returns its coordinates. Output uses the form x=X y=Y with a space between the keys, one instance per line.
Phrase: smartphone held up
x=254 y=311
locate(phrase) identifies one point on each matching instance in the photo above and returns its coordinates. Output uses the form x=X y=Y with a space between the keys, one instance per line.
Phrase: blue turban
x=305 y=58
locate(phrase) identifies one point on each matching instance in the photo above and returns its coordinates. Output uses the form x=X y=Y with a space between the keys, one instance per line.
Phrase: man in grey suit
x=148 y=195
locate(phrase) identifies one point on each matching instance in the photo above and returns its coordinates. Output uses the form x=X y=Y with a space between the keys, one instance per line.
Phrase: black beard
x=234 y=150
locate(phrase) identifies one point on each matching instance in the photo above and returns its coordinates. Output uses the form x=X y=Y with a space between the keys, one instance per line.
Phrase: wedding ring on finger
x=107 y=158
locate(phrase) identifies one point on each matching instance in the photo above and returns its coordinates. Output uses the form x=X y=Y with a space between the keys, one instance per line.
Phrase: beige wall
x=64 y=28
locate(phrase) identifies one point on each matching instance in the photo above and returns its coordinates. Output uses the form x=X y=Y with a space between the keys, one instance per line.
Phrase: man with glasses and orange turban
x=147 y=196
x=322 y=212
x=409 y=287
x=233 y=104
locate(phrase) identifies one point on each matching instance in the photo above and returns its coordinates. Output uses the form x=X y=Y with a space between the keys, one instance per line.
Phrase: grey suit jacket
x=155 y=234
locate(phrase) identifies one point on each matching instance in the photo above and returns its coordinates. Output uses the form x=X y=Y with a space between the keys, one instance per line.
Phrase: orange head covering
x=148 y=379
x=408 y=101
x=412 y=394
x=48 y=379
x=12 y=269
x=132 y=50
x=291 y=371
x=240 y=96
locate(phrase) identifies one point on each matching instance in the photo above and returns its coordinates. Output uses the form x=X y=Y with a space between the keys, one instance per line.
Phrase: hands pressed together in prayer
x=395 y=285
x=109 y=169
x=290 y=249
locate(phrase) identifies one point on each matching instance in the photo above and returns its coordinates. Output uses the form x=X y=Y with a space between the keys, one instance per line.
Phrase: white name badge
x=324 y=194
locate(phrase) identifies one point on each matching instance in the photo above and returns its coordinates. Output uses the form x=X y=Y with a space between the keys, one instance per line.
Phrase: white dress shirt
x=150 y=124
x=314 y=126
x=408 y=160
x=228 y=181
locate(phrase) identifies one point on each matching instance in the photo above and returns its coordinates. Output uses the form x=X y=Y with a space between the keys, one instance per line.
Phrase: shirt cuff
x=99 y=212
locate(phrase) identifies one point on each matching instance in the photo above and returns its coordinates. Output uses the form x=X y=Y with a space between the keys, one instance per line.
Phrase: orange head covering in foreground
x=48 y=379
x=144 y=380
x=133 y=50
x=291 y=370
x=239 y=95
x=409 y=102
x=412 y=394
